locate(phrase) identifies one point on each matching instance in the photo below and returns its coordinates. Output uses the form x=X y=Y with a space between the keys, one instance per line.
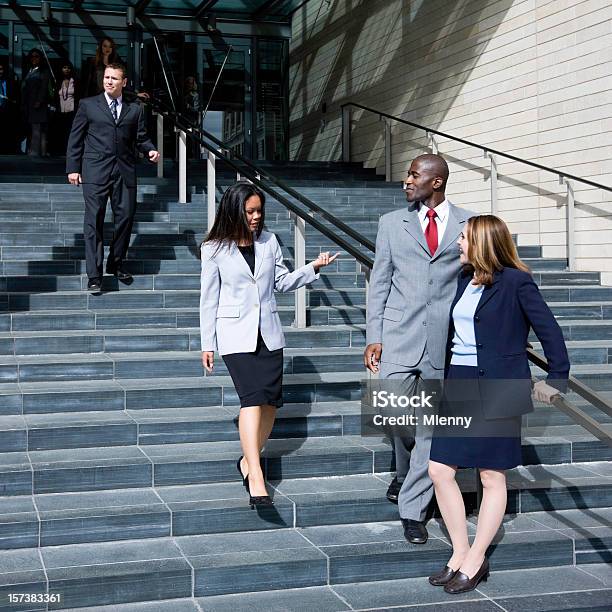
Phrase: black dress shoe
x=120 y=274
x=393 y=490
x=414 y=531
x=460 y=583
x=441 y=578
x=94 y=285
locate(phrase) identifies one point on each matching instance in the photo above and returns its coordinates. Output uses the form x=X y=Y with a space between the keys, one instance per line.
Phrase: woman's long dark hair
x=231 y=224
x=113 y=58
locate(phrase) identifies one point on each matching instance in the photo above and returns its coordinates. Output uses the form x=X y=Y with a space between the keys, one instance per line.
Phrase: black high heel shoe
x=260 y=500
x=245 y=479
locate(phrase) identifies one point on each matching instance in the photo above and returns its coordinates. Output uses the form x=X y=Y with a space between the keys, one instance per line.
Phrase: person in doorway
x=93 y=70
x=192 y=109
x=106 y=133
x=35 y=97
x=495 y=306
x=9 y=119
x=67 y=103
x=411 y=287
x=242 y=266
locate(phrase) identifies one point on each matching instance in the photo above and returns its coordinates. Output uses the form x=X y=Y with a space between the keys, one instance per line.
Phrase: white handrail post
x=160 y=145
x=365 y=270
x=388 y=160
x=211 y=186
x=493 y=179
x=570 y=224
x=299 y=261
x=431 y=142
x=346 y=134
x=182 y=155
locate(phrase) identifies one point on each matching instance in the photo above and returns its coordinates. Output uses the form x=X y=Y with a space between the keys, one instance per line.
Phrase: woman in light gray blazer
x=242 y=266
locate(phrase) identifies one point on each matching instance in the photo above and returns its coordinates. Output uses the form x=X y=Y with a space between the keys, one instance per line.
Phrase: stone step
x=119 y=467
x=342 y=556
x=57 y=519
x=118 y=319
x=166 y=266
x=548 y=588
x=186 y=392
x=152 y=282
x=339 y=355
x=59 y=252
x=121 y=298
x=339 y=350
x=137 y=340
x=182 y=363
x=143 y=299
x=211 y=423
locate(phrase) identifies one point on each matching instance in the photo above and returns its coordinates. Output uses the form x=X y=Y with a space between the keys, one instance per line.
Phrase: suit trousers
x=123 y=204
x=412 y=454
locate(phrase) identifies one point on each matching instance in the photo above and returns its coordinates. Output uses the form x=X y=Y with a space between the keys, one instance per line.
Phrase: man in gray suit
x=412 y=285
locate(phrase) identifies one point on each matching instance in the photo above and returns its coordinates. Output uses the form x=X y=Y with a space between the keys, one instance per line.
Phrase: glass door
x=227 y=95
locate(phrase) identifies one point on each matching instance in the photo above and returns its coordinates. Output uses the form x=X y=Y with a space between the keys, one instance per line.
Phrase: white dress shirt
x=441 y=218
x=119 y=103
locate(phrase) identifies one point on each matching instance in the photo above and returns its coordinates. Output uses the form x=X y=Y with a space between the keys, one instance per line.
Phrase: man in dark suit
x=101 y=155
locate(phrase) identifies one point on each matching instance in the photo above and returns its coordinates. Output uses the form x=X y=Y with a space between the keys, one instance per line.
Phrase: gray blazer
x=410 y=291
x=235 y=304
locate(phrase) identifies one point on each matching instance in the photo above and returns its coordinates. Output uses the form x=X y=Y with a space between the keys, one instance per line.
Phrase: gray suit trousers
x=412 y=454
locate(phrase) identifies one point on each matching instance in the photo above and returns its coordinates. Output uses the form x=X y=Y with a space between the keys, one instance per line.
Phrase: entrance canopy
x=260 y=10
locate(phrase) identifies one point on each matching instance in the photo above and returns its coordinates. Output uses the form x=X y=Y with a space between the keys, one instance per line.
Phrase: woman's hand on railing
x=544 y=393
x=208 y=358
x=324 y=259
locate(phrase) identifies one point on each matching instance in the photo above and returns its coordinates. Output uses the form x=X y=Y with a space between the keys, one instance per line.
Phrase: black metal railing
x=483 y=148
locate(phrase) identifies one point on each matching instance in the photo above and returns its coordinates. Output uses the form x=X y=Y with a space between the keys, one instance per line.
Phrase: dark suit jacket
x=505 y=313
x=96 y=142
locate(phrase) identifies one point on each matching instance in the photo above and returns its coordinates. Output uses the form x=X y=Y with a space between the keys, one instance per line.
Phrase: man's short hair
x=118 y=66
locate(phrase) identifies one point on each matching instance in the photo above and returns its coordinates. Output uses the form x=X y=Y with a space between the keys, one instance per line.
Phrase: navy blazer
x=506 y=311
x=96 y=142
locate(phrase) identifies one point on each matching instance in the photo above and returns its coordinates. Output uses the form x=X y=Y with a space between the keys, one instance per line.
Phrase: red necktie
x=431 y=231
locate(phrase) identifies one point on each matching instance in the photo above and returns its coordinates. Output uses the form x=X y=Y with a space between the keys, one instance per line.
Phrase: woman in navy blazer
x=242 y=266
x=489 y=381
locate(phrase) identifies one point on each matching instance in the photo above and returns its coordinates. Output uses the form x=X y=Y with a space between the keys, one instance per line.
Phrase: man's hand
x=154 y=156
x=371 y=356
x=208 y=358
x=544 y=393
x=74 y=178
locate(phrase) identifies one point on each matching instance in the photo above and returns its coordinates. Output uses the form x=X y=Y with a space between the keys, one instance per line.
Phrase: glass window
x=271 y=112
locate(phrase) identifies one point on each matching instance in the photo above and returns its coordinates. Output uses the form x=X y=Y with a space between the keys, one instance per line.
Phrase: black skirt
x=258 y=376
x=485 y=448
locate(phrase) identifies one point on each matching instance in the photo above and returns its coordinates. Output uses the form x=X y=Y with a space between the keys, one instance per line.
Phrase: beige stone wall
x=528 y=77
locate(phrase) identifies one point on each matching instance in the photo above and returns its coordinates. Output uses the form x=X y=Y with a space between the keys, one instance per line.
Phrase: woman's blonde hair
x=490 y=248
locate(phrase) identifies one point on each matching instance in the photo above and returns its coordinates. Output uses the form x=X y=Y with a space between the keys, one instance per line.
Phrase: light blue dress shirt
x=464 y=340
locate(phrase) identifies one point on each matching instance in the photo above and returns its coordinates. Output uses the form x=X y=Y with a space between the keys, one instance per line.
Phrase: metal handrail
x=200 y=134
x=594 y=398
x=488 y=150
x=254 y=177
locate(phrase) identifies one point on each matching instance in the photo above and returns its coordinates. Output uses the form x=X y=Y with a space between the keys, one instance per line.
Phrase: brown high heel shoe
x=442 y=577
x=461 y=583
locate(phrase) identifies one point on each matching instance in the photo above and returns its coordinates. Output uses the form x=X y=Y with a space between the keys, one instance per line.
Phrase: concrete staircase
x=117 y=455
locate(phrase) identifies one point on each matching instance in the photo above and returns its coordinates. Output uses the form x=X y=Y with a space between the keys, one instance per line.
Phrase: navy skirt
x=484 y=447
x=257 y=376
